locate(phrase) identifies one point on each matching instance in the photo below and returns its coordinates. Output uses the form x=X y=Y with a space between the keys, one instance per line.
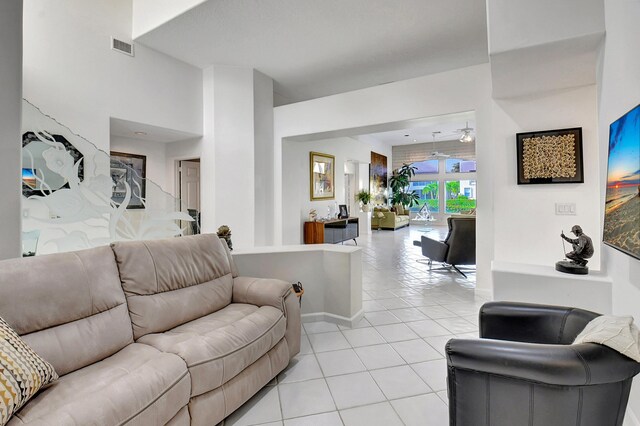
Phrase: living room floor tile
x=399 y=382
x=319 y=327
x=422 y=410
x=408 y=314
x=434 y=373
x=263 y=407
x=340 y=362
x=304 y=398
x=332 y=341
x=371 y=415
x=381 y=318
x=302 y=367
x=324 y=419
x=363 y=337
x=417 y=350
x=427 y=328
x=352 y=390
x=396 y=332
x=379 y=356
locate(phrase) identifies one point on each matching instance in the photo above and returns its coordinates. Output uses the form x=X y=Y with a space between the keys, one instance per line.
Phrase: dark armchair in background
x=459 y=248
x=525 y=371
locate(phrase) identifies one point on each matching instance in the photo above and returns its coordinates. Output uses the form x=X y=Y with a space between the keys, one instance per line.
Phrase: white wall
x=619 y=91
x=10 y=114
x=295 y=159
x=71 y=73
x=526 y=223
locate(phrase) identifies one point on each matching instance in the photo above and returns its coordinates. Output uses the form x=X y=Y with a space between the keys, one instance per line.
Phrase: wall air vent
x=122 y=46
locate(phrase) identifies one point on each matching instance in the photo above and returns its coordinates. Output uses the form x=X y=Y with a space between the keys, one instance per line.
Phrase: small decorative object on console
x=582 y=250
x=344 y=213
x=313 y=215
x=224 y=232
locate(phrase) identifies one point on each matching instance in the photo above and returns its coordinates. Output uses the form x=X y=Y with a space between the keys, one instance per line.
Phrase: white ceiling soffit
x=146 y=132
x=318 y=48
x=422 y=131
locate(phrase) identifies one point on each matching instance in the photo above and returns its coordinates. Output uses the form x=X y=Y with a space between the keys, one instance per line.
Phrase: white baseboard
x=630 y=419
x=336 y=319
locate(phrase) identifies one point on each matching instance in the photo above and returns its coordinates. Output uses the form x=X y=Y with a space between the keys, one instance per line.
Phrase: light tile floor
x=389 y=369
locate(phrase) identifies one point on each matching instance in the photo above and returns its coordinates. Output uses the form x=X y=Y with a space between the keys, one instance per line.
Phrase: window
x=460 y=196
x=426 y=167
x=457 y=165
x=428 y=192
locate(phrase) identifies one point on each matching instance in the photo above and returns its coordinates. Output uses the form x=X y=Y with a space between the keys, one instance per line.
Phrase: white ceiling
x=317 y=48
x=127 y=129
x=421 y=131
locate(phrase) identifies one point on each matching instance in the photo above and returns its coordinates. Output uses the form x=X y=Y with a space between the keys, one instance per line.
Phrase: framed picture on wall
x=378 y=181
x=551 y=156
x=128 y=173
x=322 y=176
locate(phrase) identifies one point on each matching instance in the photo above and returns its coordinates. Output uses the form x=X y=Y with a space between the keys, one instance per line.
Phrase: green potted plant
x=399 y=182
x=364 y=197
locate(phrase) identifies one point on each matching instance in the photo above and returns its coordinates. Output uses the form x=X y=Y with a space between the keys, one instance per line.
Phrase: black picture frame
x=344 y=213
x=523 y=139
x=131 y=168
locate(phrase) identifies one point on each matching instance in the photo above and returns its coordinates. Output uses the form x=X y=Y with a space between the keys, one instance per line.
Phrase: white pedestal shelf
x=518 y=282
x=364 y=222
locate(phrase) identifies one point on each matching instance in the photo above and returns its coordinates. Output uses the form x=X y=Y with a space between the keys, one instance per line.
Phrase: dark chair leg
x=459 y=271
x=354 y=240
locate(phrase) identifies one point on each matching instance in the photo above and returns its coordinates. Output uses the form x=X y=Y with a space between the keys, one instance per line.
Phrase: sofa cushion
x=189 y=277
x=59 y=302
x=22 y=372
x=138 y=385
x=220 y=345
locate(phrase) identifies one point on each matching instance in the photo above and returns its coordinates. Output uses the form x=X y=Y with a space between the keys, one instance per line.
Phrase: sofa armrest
x=561 y=365
x=261 y=291
x=527 y=322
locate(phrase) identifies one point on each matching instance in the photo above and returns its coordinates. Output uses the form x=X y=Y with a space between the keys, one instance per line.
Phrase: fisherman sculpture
x=582 y=250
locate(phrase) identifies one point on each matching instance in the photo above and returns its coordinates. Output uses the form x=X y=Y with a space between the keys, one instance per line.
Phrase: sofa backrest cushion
x=173 y=281
x=68 y=307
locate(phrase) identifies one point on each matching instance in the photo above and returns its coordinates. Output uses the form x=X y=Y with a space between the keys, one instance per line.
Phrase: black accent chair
x=459 y=248
x=524 y=371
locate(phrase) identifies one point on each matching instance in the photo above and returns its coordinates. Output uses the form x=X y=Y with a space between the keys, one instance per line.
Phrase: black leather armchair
x=524 y=371
x=458 y=248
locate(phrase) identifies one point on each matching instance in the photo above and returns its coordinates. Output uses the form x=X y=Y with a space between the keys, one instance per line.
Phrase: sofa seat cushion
x=220 y=345
x=138 y=385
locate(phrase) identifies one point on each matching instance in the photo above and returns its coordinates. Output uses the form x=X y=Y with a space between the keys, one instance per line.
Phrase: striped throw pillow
x=22 y=372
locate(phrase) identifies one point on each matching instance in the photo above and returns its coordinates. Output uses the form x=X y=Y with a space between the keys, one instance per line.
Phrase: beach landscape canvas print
x=622 y=204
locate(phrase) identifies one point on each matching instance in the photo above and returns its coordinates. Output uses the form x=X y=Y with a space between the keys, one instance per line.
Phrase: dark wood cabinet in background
x=331 y=231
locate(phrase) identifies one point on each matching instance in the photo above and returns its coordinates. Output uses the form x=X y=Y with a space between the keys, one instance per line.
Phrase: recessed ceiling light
x=140 y=133
x=415 y=140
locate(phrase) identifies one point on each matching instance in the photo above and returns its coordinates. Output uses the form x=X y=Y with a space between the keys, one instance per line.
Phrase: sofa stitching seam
x=175 y=382
x=84 y=268
x=587 y=370
x=241 y=347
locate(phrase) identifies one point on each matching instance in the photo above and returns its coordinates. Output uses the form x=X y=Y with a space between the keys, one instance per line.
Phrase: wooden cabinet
x=331 y=231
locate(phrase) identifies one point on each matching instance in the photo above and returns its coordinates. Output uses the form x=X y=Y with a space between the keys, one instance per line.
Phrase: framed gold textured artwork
x=322 y=176
x=550 y=156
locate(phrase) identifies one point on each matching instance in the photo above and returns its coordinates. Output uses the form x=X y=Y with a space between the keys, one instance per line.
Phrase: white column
x=10 y=123
x=237 y=154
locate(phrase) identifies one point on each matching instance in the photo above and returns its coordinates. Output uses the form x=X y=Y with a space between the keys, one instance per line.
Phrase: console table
x=331 y=231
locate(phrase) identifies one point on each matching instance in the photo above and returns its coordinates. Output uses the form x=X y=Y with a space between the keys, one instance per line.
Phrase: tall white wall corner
x=263 y=159
x=10 y=123
x=543 y=46
x=237 y=152
x=151 y=14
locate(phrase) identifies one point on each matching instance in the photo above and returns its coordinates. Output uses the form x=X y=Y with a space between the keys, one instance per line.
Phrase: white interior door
x=190 y=187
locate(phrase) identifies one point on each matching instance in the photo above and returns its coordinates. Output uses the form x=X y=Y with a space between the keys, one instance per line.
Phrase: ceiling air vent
x=122 y=46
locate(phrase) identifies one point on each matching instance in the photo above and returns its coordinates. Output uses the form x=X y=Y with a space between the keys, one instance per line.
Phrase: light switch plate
x=566 y=209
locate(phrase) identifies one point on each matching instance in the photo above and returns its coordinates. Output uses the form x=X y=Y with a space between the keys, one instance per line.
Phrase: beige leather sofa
x=148 y=333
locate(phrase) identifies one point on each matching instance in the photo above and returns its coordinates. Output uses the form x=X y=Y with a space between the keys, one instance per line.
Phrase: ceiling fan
x=435 y=153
